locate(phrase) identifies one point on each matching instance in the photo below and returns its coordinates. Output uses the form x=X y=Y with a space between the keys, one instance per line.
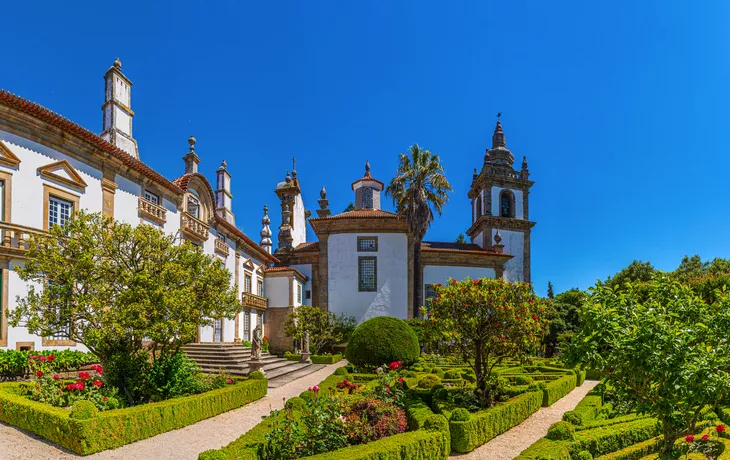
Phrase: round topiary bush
x=453 y=374
x=573 y=417
x=341 y=371
x=460 y=415
x=427 y=381
x=382 y=340
x=560 y=431
x=523 y=380
x=83 y=410
x=585 y=455
x=295 y=403
x=256 y=375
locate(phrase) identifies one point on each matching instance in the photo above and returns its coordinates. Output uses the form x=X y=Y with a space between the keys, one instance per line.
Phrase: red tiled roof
x=261 y=252
x=367 y=177
x=285 y=270
x=462 y=248
x=362 y=214
x=50 y=117
x=184 y=180
x=312 y=246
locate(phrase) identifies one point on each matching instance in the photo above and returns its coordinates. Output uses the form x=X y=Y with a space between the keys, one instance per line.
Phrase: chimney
x=223 y=195
x=117 y=110
x=191 y=158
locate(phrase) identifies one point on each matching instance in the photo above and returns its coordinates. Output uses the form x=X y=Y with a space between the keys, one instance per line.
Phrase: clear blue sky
x=621 y=107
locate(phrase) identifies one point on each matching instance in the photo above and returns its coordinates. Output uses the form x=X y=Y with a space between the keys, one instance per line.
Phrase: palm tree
x=419 y=186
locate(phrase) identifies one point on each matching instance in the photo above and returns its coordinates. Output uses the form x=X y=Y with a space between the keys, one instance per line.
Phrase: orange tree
x=486 y=321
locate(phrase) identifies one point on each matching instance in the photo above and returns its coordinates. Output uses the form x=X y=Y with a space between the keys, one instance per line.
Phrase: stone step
x=279 y=378
x=215 y=346
x=221 y=361
x=230 y=354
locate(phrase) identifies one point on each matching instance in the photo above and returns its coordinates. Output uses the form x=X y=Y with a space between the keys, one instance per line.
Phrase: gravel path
x=509 y=445
x=183 y=444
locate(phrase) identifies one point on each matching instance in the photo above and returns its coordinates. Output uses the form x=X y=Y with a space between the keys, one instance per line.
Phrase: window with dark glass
x=260 y=287
x=367 y=243
x=299 y=293
x=194 y=207
x=59 y=211
x=307 y=294
x=367 y=198
x=506 y=205
x=430 y=294
x=247 y=325
x=247 y=284
x=151 y=197
x=367 y=274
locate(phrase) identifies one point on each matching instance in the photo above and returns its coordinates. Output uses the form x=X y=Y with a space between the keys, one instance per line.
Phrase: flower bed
x=17 y=364
x=114 y=428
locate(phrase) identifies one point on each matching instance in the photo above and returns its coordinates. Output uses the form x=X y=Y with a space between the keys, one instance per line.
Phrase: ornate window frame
x=48 y=192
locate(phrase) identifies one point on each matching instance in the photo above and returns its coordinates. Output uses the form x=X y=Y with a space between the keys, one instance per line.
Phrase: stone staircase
x=232 y=358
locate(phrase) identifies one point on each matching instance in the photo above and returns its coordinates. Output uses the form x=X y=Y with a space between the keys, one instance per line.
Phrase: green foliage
x=563 y=317
x=556 y=389
x=461 y=239
x=460 y=415
x=83 y=410
x=295 y=403
x=382 y=340
x=344 y=327
x=257 y=375
x=427 y=381
x=523 y=380
x=350 y=207
x=14 y=364
x=326 y=359
x=487 y=321
x=292 y=356
x=641 y=272
x=177 y=375
x=341 y=371
x=586 y=410
x=561 y=431
x=488 y=423
x=645 y=336
x=550 y=293
x=584 y=455
x=116 y=428
x=118 y=285
x=318 y=323
x=453 y=374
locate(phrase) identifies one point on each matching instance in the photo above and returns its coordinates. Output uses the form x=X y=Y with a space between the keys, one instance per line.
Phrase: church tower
x=293 y=230
x=117 y=110
x=500 y=207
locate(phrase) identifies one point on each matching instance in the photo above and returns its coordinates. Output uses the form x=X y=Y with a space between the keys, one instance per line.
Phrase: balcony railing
x=151 y=211
x=15 y=238
x=254 y=301
x=221 y=247
x=193 y=228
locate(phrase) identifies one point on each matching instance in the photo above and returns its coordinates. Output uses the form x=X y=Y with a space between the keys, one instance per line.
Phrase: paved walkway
x=509 y=445
x=183 y=444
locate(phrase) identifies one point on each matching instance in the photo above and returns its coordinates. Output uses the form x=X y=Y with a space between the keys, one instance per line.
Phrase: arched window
x=194 y=208
x=506 y=203
x=367 y=198
x=479 y=207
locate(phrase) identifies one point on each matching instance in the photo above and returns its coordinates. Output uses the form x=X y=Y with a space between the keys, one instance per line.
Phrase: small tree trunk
x=478 y=369
x=417 y=288
x=669 y=437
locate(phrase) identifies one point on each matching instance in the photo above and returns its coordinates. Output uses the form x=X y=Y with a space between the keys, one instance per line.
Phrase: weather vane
x=499 y=115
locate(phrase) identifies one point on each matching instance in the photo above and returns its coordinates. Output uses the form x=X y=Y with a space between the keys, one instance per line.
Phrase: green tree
x=636 y=271
x=550 y=293
x=487 y=321
x=350 y=207
x=460 y=238
x=662 y=347
x=419 y=186
x=320 y=324
x=126 y=293
x=563 y=316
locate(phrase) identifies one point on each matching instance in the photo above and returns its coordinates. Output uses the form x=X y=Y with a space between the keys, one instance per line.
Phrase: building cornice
x=502 y=223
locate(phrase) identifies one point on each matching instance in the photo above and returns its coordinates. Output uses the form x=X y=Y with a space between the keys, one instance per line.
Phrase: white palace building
x=361 y=263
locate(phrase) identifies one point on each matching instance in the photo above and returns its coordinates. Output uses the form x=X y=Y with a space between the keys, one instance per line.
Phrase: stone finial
x=288 y=177
x=367 y=169
x=224 y=164
x=191 y=141
x=498 y=246
x=497 y=237
x=118 y=63
x=294 y=167
x=323 y=193
x=524 y=163
x=323 y=210
x=498 y=136
x=266 y=231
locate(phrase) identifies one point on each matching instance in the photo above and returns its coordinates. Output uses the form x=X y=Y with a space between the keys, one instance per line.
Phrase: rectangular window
x=260 y=287
x=247 y=284
x=307 y=294
x=151 y=197
x=430 y=294
x=367 y=243
x=367 y=269
x=221 y=237
x=299 y=293
x=59 y=211
x=247 y=325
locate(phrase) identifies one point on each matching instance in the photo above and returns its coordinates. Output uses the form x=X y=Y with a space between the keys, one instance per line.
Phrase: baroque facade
x=360 y=265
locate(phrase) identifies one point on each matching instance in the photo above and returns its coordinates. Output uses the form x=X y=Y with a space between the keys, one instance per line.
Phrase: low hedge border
x=485 y=425
x=115 y=428
x=429 y=439
x=326 y=359
x=586 y=410
x=637 y=451
x=556 y=389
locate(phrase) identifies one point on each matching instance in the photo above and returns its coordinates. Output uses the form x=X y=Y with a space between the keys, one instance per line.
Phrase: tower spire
x=266 y=231
x=498 y=136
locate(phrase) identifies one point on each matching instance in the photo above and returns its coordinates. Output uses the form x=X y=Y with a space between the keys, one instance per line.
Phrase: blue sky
x=621 y=107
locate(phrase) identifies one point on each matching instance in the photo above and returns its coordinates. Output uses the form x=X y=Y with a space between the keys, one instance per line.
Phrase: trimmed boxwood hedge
x=485 y=425
x=115 y=428
x=556 y=389
x=326 y=359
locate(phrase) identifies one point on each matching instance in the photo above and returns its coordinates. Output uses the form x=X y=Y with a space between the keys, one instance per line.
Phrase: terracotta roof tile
x=285 y=270
x=362 y=214
x=44 y=114
x=312 y=246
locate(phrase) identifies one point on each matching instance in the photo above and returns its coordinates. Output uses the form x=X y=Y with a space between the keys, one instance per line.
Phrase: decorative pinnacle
x=118 y=63
x=498 y=136
x=191 y=141
x=294 y=166
x=497 y=237
x=524 y=162
x=288 y=177
x=266 y=220
x=224 y=164
x=367 y=168
x=323 y=193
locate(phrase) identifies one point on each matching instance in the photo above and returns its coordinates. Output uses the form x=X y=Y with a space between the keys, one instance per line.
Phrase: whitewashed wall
x=306 y=270
x=513 y=245
x=391 y=297
x=277 y=291
x=440 y=274
x=299 y=232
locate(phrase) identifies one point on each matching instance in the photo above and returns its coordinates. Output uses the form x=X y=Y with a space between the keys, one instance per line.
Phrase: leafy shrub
x=383 y=339
x=174 y=375
x=584 y=455
x=523 y=380
x=14 y=364
x=460 y=415
x=341 y=371
x=256 y=375
x=372 y=419
x=436 y=370
x=561 y=431
x=427 y=381
x=573 y=417
x=295 y=403
x=471 y=378
x=83 y=410
x=292 y=356
x=417 y=367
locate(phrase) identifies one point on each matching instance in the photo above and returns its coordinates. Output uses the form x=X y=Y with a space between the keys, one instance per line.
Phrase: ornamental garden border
x=115 y=428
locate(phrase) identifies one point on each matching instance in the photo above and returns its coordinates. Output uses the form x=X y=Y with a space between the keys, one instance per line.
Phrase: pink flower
x=315 y=388
x=105 y=399
x=705 y=438
x=400 y=379
x=98 y=383
x=689 y=438
x=56 y=376
x=80 y=385
x=70 y=387
x=43 y=359
x=84 y=375
x=230 y=381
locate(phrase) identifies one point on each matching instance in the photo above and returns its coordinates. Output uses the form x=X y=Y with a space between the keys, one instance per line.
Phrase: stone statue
x=305 y=349
x=256 y=345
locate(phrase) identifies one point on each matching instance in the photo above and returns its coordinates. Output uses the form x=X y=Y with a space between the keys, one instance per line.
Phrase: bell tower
x=500 y=207
x=293 y=230
x=117 y=110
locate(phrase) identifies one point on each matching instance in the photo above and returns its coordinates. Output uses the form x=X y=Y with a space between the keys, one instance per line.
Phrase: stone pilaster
x=108 y=189
x=410 y=248
x=323 y=273
x=237 y=332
